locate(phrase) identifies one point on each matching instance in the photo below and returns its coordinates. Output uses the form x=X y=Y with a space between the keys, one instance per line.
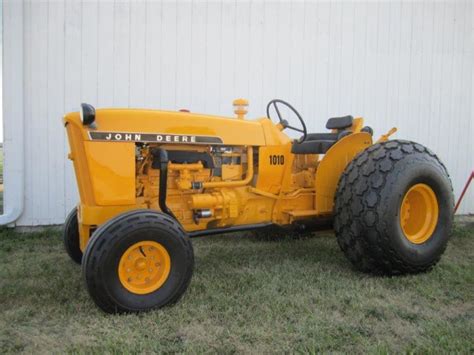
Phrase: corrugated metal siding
x=404 y=64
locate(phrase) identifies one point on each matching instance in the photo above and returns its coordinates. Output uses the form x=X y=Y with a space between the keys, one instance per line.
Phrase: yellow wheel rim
x=419 y=213
x=144 y=267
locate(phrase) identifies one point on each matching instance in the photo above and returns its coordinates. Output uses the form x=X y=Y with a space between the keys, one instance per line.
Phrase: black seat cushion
x=339 y=122
x=312 y=147
x=318 y=143
x=321 y=136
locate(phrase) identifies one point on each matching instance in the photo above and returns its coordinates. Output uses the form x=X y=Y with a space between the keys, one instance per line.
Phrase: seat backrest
x=339 y=122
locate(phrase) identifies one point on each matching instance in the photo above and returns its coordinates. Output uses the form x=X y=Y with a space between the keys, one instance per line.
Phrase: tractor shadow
x=317 y=250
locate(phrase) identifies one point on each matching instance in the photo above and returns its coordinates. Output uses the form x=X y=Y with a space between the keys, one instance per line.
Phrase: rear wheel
x=394 y=209
x=71 y=237
x=138 y=261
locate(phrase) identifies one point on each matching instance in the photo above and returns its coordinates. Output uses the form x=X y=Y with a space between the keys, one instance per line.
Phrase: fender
x=332 y=166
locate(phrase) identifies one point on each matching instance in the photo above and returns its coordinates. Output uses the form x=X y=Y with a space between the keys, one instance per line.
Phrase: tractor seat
x=319 y=143
x=321 y=137
x=312 y=147
x=339 y=122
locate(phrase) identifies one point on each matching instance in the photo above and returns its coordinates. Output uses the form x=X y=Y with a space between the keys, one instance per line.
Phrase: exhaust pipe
x=162 y=156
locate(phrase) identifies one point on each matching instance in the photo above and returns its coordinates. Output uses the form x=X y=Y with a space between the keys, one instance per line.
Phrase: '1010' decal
x=277 y=159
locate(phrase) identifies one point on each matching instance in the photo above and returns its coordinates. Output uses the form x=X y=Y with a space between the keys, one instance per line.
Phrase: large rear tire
x=394 y=209
x=71 y=237
x=138 y=261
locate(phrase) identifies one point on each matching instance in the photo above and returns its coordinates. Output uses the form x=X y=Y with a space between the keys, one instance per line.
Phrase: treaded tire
x=111 y=240
x=367 y=207
x=71 y=237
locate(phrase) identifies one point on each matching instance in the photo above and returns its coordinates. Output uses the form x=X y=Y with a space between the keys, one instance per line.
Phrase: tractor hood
x=170 y=127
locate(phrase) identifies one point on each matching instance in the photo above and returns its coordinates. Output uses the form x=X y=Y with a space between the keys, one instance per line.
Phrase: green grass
x=246 y=296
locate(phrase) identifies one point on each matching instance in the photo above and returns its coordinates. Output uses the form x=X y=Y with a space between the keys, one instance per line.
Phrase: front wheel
x=71 y=237
x=394 y=209
x=138 y=261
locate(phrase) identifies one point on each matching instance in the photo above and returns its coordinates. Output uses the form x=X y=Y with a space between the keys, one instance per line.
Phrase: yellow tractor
x=151 y=180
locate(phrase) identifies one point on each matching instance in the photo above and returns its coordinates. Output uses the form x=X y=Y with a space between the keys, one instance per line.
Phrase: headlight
x=87 y=113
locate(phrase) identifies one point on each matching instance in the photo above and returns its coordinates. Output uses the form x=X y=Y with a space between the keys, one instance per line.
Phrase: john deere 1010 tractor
x=149 y=181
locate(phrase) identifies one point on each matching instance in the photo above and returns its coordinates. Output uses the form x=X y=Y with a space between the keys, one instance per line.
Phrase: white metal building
x=397 y=63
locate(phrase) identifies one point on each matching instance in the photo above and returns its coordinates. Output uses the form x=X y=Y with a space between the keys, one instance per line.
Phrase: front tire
x=394 y=209
x=71 y=237
x=138 y=261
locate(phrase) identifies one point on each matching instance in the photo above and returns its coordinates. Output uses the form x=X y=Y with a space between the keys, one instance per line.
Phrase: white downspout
x=13 y=114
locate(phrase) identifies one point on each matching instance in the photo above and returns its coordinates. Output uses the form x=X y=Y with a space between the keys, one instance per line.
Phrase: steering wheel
x=284 y=123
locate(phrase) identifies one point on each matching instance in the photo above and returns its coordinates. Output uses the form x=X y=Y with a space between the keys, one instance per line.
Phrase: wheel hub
x=419 y=213
x=144 y=267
